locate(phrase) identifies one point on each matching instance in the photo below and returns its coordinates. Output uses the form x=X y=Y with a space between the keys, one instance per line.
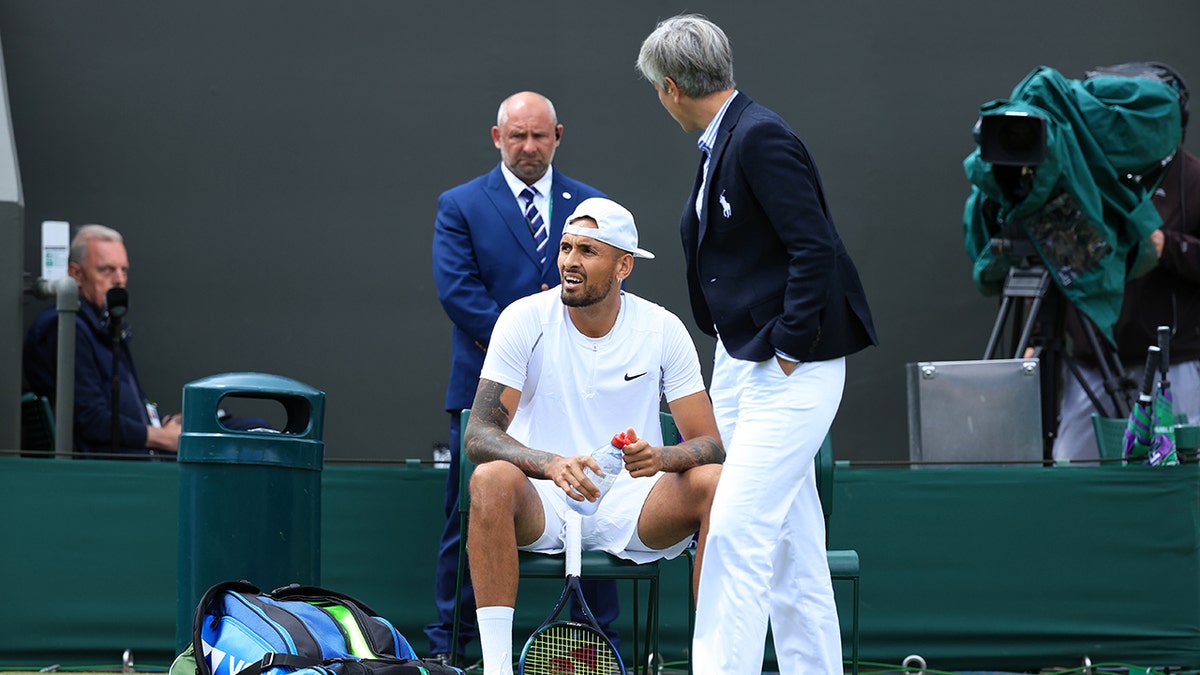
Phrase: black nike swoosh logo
x=629 y=377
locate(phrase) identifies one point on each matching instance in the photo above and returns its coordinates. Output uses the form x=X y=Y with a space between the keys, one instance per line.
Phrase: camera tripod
x=1038 y=307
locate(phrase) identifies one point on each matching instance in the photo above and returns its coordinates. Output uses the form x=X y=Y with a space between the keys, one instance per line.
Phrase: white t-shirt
x=576 y=391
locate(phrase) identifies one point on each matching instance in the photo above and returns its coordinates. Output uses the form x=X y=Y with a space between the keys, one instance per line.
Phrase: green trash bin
x=249 y=501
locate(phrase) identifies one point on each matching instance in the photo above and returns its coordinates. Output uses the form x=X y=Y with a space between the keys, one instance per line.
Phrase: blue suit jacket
x=484 y=258
x=766 y=268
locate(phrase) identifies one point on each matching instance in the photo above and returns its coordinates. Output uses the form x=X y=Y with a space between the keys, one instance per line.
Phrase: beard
x=586 y=295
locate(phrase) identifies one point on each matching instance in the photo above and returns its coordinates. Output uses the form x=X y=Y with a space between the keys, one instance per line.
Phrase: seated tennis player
x=567 y=369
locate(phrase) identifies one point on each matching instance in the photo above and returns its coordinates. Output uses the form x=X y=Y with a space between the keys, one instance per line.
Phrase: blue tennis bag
x=240 y=630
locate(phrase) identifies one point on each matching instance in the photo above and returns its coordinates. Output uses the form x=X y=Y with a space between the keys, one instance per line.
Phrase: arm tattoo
x=690 y=453
x=487 y=438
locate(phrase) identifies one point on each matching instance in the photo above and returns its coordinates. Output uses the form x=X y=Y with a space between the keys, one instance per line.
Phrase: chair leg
x=652 y=612
x=636 y=641
x=454 y=628
x=643 y=661
x=854 y=632
x=691 y=607
x=458 y=585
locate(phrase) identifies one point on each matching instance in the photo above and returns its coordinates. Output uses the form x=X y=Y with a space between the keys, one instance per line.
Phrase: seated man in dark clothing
x=98 y=262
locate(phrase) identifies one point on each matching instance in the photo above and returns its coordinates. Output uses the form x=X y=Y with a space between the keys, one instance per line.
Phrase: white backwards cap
x=614 y=225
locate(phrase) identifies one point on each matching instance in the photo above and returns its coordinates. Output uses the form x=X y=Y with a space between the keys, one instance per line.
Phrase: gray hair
x=79 y=245
x=692 y=51
x=502 y=113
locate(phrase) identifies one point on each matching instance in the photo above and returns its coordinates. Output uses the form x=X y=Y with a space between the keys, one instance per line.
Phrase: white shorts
x=612 y=528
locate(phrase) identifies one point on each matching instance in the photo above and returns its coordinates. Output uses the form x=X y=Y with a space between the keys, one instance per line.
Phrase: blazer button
x=712 y=280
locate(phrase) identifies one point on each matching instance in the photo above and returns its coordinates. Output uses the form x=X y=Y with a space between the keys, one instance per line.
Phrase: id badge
x=152 y=413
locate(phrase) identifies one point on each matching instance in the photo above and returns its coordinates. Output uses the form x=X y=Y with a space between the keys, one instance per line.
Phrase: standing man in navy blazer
x=486 y=255
x=769 y=277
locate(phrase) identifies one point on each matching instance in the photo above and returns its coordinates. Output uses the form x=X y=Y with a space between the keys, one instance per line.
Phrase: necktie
x=536 y=225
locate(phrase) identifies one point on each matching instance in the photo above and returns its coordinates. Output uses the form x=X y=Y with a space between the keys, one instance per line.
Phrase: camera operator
x=1168 y=295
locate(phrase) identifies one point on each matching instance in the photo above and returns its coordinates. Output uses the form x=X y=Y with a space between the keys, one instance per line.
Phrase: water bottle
x=611 y=460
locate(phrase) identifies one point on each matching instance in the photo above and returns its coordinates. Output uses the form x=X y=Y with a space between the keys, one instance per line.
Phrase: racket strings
x=570 y=649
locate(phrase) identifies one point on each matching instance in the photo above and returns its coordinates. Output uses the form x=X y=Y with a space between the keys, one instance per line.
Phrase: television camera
x=1060 y=211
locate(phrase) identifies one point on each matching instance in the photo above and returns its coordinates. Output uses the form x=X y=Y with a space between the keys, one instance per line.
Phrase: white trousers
x=765 y=555
x=1076 y=439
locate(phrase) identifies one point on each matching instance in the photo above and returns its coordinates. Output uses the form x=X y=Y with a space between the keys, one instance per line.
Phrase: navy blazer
x=93 y=380
x=484 y=257
x=766 y=268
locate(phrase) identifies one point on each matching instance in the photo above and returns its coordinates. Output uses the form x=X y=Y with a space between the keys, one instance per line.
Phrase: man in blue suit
x=496 y=240
x=769 y=277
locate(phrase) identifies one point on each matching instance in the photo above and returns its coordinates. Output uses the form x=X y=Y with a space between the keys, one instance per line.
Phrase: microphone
x=116 y=304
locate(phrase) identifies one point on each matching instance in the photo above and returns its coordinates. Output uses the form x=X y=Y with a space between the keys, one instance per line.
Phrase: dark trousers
x=601 y=595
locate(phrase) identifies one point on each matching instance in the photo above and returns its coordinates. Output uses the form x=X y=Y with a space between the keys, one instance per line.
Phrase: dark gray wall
x=274 y=165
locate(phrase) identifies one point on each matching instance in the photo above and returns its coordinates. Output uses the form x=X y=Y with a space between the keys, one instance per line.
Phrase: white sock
x=495 y=637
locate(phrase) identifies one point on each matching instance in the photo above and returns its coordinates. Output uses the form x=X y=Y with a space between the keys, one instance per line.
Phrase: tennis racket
x=567 y=647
